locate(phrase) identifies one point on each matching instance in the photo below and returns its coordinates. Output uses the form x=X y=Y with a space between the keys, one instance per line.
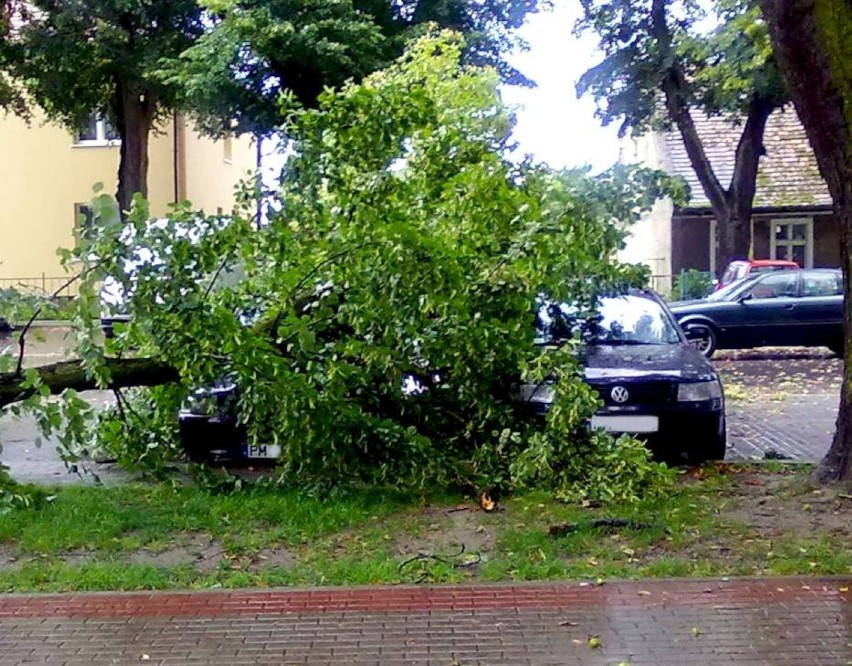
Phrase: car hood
x=680 y=308
x=680 y=361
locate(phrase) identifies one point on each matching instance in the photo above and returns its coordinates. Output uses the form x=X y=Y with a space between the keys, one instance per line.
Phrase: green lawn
x=725 y=521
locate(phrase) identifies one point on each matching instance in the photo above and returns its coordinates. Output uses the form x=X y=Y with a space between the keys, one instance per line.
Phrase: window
x=96 y=132
x=780 y=285
x=84 y=220
x=822 y=284
x=793 y=239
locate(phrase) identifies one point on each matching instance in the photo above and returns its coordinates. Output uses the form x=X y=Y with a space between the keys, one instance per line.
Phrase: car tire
x=703 y=338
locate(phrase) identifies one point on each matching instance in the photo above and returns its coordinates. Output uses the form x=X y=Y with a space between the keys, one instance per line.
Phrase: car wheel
x=703 y=338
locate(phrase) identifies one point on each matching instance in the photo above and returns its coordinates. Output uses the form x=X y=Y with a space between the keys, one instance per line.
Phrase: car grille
x=656 y=392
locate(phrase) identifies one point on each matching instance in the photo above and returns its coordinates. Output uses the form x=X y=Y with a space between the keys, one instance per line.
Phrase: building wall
x=43 y=174
x=690 y=244
x=649 y=241
x=212 y=169
x=691 y=240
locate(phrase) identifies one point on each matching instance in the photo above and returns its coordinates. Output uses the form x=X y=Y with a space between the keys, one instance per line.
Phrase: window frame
x=807 y=242
x=101 y=140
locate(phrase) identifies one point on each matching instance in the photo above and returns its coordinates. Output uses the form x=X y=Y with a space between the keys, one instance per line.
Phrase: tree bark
x=134 y=116
x=71 y=375
x=812 y=40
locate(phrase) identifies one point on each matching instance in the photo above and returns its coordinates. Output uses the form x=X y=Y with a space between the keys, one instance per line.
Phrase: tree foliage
x=401 y=243
x=663 y=63
x=258 y=50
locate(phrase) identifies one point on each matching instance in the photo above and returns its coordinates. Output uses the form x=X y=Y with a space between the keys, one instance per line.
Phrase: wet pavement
x=782 y=404
x=771 y=621
x=30 y=457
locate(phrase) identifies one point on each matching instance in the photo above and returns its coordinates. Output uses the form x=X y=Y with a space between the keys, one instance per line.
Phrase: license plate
x=262 y=451
x=628 y=423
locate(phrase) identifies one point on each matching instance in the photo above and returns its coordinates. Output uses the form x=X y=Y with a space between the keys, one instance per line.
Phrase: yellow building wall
x=43 y=174
x=212 y=169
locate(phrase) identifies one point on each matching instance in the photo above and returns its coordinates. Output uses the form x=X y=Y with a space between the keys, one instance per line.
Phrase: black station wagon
x=785 y=308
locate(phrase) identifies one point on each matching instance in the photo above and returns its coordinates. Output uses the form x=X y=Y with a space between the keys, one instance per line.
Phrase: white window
x=793 y=239
x=96 y=132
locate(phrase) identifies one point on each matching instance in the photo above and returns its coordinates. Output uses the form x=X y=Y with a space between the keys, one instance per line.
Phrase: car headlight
x=539 y=393
x=698 y=391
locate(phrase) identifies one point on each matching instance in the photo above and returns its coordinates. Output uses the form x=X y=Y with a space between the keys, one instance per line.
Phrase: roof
x=788 y=173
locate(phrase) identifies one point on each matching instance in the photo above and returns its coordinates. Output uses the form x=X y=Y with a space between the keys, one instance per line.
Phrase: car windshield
x=618 y=320
x=727 y=291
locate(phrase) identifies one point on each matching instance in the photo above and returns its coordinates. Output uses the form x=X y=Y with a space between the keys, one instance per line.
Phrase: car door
x=765 y=313
x=819 y=314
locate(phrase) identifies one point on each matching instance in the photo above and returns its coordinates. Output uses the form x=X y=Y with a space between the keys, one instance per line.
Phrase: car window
x=777 y=285
x=822 y=284
x=732 y=273
x=628 y=319
x=761 y=270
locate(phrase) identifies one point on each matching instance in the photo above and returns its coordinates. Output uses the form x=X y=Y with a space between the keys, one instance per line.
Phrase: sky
x=553 y=125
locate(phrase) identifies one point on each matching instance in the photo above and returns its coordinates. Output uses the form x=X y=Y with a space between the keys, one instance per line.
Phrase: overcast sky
x=553 y=125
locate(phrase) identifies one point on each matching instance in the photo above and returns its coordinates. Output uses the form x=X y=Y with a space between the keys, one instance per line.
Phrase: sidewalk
x=805 y=621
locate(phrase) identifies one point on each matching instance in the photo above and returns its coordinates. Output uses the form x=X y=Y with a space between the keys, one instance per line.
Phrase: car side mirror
x=744 y=297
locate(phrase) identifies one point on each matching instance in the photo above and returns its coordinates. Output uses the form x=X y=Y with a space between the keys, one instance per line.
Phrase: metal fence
x=43 y=285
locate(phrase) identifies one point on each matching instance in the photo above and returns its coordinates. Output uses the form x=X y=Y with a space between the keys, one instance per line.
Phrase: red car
x=737 y=270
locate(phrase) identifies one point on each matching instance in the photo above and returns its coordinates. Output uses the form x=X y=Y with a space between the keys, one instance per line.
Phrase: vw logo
x=619 y=394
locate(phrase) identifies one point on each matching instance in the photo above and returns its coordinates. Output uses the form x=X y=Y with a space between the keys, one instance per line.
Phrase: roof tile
x=788 y=173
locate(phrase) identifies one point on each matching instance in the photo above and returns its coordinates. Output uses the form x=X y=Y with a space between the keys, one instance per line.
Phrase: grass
x=156 y=537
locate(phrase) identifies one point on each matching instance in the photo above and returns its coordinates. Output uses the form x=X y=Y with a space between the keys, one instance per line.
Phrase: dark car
x=652 y=382
x=784 y=308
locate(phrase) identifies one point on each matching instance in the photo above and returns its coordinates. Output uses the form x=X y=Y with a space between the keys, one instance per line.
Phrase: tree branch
x=749 y=150
x=22 y=337
x=677 y=104
x=72 y=375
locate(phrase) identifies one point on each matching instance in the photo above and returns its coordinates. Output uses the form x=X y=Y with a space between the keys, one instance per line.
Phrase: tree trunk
x=837 y=463
x=71 y=375
x=134 y=117
x=733 y=237
x=812 y=40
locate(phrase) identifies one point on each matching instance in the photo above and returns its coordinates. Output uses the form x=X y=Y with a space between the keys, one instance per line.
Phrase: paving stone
x=804 y=621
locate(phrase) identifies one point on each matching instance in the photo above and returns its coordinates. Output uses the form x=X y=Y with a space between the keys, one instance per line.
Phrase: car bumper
x=694 y=428
x=215 y=439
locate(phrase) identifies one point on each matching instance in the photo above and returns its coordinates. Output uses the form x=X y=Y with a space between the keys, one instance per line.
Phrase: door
x=766 y=312
x=820 y=310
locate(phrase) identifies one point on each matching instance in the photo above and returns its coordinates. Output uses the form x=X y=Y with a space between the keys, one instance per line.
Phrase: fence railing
x=43 y=285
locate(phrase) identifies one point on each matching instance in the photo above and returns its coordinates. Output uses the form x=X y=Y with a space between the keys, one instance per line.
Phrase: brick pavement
x=798 y=427
x=805 y=621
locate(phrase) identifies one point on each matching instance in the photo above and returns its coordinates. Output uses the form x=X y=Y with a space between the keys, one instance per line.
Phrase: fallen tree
x=72 y=375
x=400 y=241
